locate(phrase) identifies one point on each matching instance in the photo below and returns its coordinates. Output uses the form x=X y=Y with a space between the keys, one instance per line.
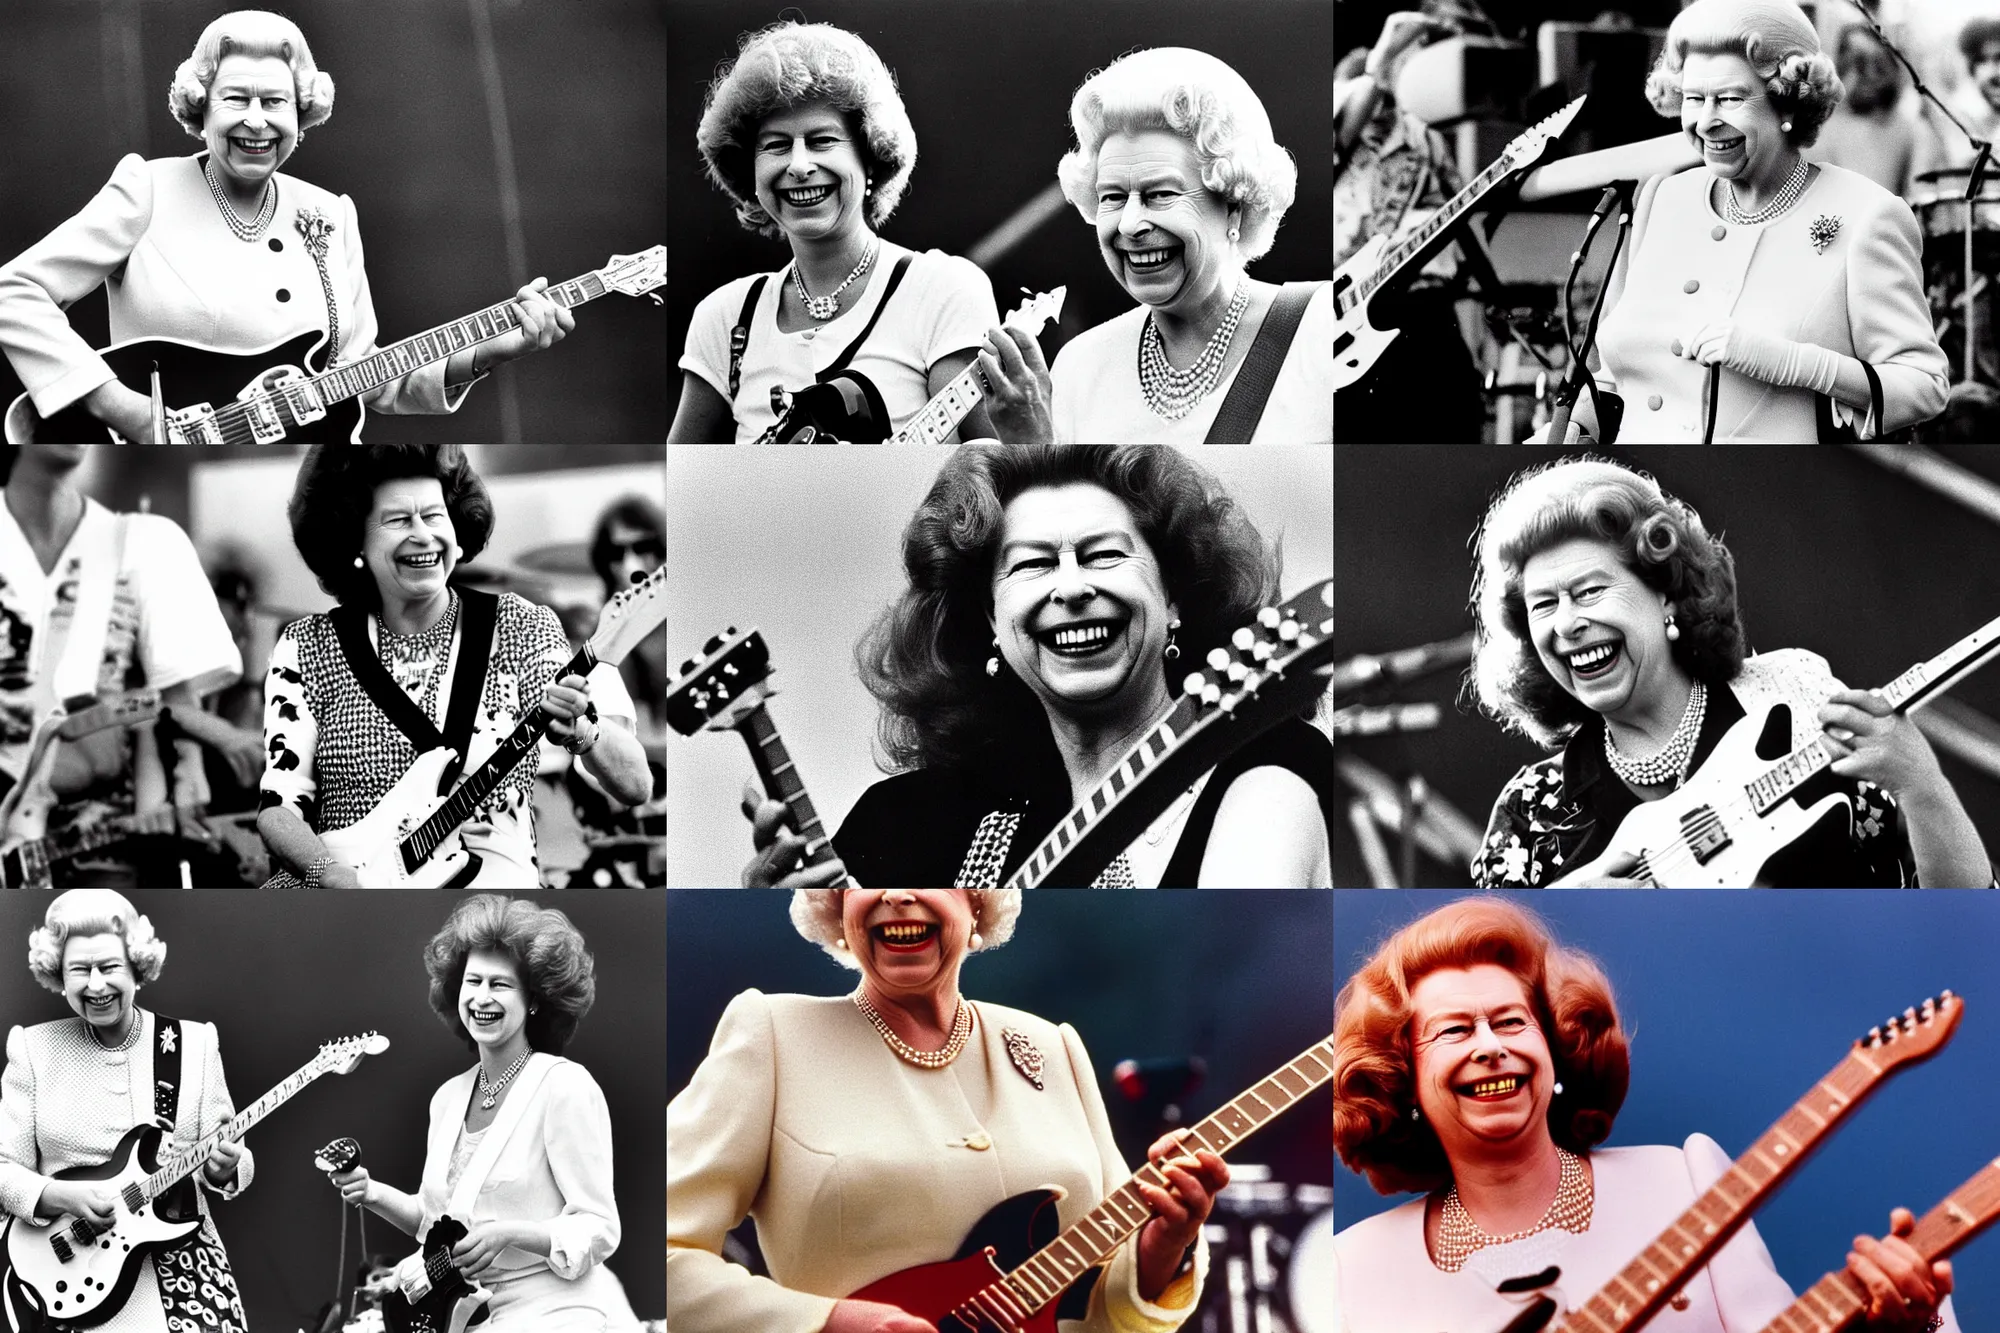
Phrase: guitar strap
x=475 y=639
x=739 y=337
x=197 y=1288
x=1236 y=420
x=895 y=281
x=487 y=1155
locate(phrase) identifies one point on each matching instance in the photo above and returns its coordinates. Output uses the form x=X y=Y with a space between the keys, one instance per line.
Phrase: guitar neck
x=1093 y=1237
x=1414 y=247
x=186 y=1162
x=782 y=781
x=76 y=841
x=941 y=415
x=520 y=743
x=1837 y=1301
x=438 y=344
x=1639 y=1291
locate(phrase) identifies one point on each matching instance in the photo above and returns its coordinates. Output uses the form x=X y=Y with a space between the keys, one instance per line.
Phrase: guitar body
x=372 y=846
x=452 y=1305
x=1706 y=835
x=1007 y=1236
x=1357 y=343
x=191 y=374
x=77 y=1275
x=845 y=408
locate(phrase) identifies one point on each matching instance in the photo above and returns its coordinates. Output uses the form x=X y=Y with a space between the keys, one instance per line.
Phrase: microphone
x=1368 y=671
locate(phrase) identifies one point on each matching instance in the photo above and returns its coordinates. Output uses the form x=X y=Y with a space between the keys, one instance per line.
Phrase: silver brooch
x=1822 y=231
x=1024 y=1054
x=315 y=226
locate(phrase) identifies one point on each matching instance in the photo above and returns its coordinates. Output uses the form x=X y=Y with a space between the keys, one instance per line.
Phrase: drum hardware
x=1252 y=1234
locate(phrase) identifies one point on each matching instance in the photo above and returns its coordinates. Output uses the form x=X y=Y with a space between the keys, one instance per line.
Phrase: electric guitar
x=1719 y=829
x=847 y=405
x=450 y=1304
x=286 y=391
x=1357 y=343
x=410 y=839
x=1274 y=668
x=1645 y=1285
x=30 y=863
x=24 y=812
x=76 y=1273
x=1012 y=1268
x=1837 y=1301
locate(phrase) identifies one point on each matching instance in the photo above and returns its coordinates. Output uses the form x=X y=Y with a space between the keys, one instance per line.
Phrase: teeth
x=424 y=561
x=1590 y=657
x=809 y=197
x=1084 y=636
x=906 y=932
x=1147 y=258
x=1494 y=1086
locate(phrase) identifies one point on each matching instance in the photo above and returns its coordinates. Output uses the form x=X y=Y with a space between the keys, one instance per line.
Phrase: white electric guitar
x=410 y=840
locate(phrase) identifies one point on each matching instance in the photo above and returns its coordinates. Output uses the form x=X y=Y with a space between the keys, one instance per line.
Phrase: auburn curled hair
x=1374 y=1059
x=1659 y=538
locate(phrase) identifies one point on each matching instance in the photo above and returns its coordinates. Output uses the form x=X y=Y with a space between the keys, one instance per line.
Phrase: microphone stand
x=1609 y=414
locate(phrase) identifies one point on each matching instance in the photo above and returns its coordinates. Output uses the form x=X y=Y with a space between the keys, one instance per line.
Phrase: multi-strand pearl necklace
x=1459 y=1236
x=1173 y=393
x=490 y=1092
x=1671 y=762
x=1795 y=185
x=961 y=1032
x=405 y=651
x=823 y=308
x=245 y=231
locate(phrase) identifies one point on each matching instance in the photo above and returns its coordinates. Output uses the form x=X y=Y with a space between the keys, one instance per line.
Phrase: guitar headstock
x=1272 y=660
x=635 y=275
x=731 y=665
x=629 y=617
x=1031 y=314
x=1532 y=142
x=343 y=1054
x=339 y=1155
x=1917 y=1033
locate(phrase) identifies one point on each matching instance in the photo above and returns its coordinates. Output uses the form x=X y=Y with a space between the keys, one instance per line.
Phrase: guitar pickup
x=262 y=411
x=193 y=425
x=1703 y=831
x=301 y=398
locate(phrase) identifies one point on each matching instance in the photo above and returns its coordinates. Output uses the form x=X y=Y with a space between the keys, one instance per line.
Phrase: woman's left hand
x=543 y=324
x=221 y=1165
x=1195 y=1181
x=1764 y=357
x=1018 y=391
x=1868 y=739
x=566 y=701
x=476 y=1254
x=1903 y=1291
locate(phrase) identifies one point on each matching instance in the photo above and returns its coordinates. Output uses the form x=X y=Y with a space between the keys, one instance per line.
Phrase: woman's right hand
x=872 y=1317
x=1606 y=872
x=128 y=412
x=779 y=849
x=1018 y=391
x=353 y=1184
x=90 y=1200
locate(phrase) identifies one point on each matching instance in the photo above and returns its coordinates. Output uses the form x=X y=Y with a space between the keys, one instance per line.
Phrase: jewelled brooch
x=1026 y=1057
x=315 y=226
x=1824 y=228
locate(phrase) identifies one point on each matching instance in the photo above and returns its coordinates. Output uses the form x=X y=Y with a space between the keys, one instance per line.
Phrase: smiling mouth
x=1146 y=261
x=426 y=560
x=1492 y=1089
x=1081 y=640
x=485 y=1019
x=1724 y=146
x=807 y=197
x=254 y=147
x=108 y=1002
x=905 y=936
x=1592 y=662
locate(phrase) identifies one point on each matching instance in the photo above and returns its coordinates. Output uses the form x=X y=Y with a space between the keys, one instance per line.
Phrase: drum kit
x=1270 y=1247
x=1961 y=248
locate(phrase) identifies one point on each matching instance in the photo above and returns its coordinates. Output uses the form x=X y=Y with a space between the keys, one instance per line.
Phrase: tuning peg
x=712 y=644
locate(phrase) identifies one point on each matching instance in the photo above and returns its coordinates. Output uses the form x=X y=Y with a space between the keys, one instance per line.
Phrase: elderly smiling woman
x=1176 y=168
x=210 y=249
x=1609 y=629
x=871 y=1132
x=1479 y=1063
x=1764 y=299
x=808 y=137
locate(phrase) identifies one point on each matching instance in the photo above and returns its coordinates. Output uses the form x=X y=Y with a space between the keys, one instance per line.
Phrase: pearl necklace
x=1173 y=393
x=823 y=308
x=961 y=1031
x=245 y=231
x=1459 y=1236
x=403 y=651
x=490 y=1092
x=1670 y=764
x=125 y=1043
x=1795 y=185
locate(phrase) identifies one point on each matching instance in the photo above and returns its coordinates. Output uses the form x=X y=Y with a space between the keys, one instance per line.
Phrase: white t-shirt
x=943 y=305
x=164 y=627
x=1097 y=400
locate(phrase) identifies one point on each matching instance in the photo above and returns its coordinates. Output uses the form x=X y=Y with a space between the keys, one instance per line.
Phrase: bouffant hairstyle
x=1374 y=1053
x=82 y=912
x=557 y=972
x=816 y=916
x=1194 y=95
x=789 y=65
x=633 y=511
x=249 y=32
x=1659 y=538
x=335 y=493
x=924 y=658
x=1776 y=38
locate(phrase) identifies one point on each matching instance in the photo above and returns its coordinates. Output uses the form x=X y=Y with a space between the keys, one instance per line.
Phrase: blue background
x=1736 y=1003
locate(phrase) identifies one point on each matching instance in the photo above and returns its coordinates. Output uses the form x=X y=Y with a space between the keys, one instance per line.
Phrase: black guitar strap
x=1236 y=420
x=739 y=337
x=895 y=281
x=166 y=1068
x=475 y=638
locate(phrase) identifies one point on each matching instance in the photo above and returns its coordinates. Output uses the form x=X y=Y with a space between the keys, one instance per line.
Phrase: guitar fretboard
x=1662 y=1268
x=1837 y=1301
x=520 y=743
x=1094 y=1236
x=188 y=1160
x=781 y=778
x=941 y=415
x=1400 y=255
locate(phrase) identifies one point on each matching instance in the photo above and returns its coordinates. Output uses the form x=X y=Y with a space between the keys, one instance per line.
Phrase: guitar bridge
x=193 y=425
x=302 y=400
x=262 y=412
x=1704 y=833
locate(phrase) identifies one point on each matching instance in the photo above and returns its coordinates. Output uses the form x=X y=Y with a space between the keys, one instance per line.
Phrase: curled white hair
x=816 y=916
x=249 y=32
x=93 y=912
x=1196 y=96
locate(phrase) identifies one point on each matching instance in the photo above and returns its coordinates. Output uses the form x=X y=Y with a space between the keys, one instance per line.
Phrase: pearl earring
x=1786 y=126
x=1172 y=649
x=357 y=563
x=978 y=941
x=1232 y=233
x=1558 y=1091
x=993 y=662
x=1673 y=630
x=841 y=944
x=1415 y=1114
